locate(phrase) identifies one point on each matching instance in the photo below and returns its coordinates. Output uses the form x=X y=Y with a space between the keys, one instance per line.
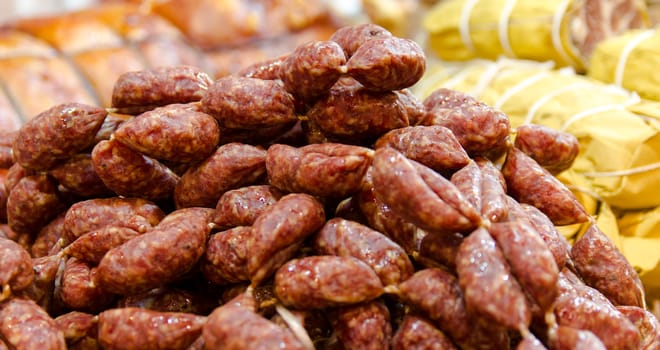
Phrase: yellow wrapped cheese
x=629 y=61
x=640 y=243
x=563 y=31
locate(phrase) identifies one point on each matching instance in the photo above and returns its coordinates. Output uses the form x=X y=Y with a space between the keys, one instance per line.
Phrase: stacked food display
x=335 y=188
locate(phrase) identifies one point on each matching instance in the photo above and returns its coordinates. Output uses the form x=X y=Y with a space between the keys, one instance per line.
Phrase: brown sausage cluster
x=310 y=202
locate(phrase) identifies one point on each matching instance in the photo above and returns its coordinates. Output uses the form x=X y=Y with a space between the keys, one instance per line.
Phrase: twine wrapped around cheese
x=563 y=31
x=616 y=175
x=625 y=60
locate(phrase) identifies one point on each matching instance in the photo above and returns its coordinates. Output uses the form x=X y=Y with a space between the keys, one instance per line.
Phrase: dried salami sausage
x=348 y=238
x=176 y=133
x=323 y=281
x=136 y=328
x=16 y=273
x=279 y=232
x=132 y=174
x=432 y=202
x=248 y=103
x=139 y=91
x=363 y=326
x=312 y=69
x=242 y=206
x=231 y=166
x=387 y=63
x=56 y=134
x=602 y=266
x=529 y=183
x=25 y=325
x=159 y=256
x=490 y=288
x=350 y=38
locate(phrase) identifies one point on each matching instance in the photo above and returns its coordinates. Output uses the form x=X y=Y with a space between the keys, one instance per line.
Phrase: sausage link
x=414 y=107
x=33 y=203
x=416 y=332
x=176 y=133
x=78 y=176
x=317 y=282
x=647 y=324
x=93 y=214
x=25 y=325
x=92 y=246
x=279 y=231
x=331 y=170
x=529 y=183
x=481 y=129
x=439 y=248
x=437 y=294
x=78 y=328
x=602 y=266
x=483 y=186
x=363 y=326
x=387 y=63
x=139 y=91
x=381 y=218
x=236 y=327
x=231 y=166
x=567 y=338
x=432 y=202
x=351 y=37
x=159 y=256
x=48 y=237
x=587 y=310
x=132 y=174
x=490 y=288
x=434 y=146
x=530 y=260
x=135 y=328
x=312 y=69
x=56 y=134
x=225 y=259
x=553 y=149
x=78 y=288
x=16 y=273
x=242 y=206
x=14 y=174
x=348 y=238
x=351 y=114
x=557 y=243
x=248 y=103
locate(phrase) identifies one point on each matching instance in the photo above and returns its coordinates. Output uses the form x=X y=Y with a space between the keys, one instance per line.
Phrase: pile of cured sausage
x=310 y=201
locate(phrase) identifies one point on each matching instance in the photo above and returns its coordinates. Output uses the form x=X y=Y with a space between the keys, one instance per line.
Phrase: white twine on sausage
x=625 y=53
x=464 y=24
x=557 y=20
x=503 y=27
